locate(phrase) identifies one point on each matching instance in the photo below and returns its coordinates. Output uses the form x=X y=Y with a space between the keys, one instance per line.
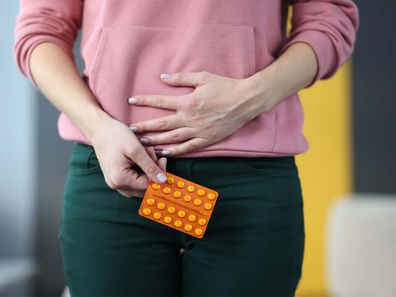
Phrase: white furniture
x=361 y=246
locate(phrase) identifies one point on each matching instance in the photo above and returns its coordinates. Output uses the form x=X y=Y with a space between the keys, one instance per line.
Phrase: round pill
x=177 y=223
x=176 y=194
x=208 y=206
x=211 y=196
x=157 y=215
x=170 y=180
x=188 y=227
x=197 y=202
x=155 y=186
x=191 y=218
x=180 y=184
x=171 y=209
x=198 y=231
x=150 y=201
x=166 y=190
x=201 y=192
x=181 y=213
x=167 y=220
x=202 y=222
x=187 y=198
x=161 y=205
x=147 y=211
x=191 y=188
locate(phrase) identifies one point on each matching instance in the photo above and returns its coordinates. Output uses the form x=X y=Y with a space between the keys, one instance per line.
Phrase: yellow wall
x=325 y=169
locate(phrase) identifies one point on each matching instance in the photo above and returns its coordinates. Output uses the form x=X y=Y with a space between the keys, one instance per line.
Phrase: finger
x=131 y=194
x=188 y=146
x=137 y=182
x=128 y=180
x=139 y=155
x=158 y=101
x=187 y=78
x=139 y=194
x=126 y=194
x=172 y=136
x=162 y=163
x=159 y=124
x=150 y=150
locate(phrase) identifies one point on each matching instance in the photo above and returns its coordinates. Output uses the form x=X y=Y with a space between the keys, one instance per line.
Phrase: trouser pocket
x=83 y=160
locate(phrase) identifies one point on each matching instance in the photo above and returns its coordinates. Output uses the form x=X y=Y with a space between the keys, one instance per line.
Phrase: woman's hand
x=217 y=107
x=220 y=105
x=116 y=147
x=119 y=153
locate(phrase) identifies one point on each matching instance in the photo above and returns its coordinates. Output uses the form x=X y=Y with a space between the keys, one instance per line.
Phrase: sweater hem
x=208 y=153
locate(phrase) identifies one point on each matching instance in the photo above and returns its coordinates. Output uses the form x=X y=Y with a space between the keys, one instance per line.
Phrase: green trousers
x=253 y=245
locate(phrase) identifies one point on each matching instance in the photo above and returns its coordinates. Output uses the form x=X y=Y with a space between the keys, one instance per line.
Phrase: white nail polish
x=161 y=177
x=165 y=75
x=165 y=152
x=132 y=100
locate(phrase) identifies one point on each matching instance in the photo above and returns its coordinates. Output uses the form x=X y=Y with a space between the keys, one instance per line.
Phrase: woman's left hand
x=215 y=109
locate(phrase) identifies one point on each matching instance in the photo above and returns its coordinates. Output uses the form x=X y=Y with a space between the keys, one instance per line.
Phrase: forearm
x=58 y=79
x=291 y=72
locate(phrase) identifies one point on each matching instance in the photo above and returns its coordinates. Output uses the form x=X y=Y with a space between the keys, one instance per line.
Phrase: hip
x=266 y=189
x=244 y=175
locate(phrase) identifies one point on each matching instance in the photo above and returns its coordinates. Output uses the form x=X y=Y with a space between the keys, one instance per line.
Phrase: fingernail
x=144 y=140
x=165 y=152
x=165 y=75
x=161 y=177
x=134 y=129
x=132 y=100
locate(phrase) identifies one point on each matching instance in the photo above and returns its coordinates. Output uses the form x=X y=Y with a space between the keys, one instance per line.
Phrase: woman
x=206 y=90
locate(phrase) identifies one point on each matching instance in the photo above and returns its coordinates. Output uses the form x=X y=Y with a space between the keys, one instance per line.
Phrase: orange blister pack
x=180 y=204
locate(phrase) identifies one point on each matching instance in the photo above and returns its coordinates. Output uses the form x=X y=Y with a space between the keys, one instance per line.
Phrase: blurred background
x=348 y=175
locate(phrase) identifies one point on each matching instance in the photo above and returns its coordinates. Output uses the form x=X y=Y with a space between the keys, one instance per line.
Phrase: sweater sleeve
x=329 y=27
x=56 y=21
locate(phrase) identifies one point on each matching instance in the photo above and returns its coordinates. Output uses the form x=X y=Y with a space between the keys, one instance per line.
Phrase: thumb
x=148 y=165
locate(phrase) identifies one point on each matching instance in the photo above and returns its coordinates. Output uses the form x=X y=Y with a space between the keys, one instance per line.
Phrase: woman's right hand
x=116 y=146
x=118 y=149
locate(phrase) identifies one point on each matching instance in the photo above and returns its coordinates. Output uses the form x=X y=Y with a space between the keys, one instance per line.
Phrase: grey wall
x=374 y=106
x=53 y=157
x=18 y=115
x=33 y=168
x=52 y=160
x=18 y=166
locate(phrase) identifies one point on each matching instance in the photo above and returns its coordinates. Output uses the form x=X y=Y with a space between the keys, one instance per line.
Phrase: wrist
x=259 y=94
x=92 y=120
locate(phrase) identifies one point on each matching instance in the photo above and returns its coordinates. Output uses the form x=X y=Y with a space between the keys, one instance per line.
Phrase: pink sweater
x=127 y=44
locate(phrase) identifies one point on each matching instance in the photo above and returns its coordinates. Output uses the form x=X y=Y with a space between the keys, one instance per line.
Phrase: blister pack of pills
x=180 y=204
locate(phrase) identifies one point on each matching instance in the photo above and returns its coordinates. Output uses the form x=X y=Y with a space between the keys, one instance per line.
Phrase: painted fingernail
x=165 y=75
x=144 y=140
x=132 y=100
x=161 y=177
x=134 y=129
x=165 y=152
